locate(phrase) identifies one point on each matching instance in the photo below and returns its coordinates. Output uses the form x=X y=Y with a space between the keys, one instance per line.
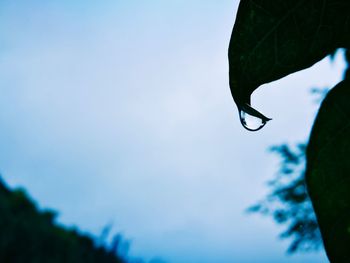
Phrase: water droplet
x=251 y=122
x=251 y=119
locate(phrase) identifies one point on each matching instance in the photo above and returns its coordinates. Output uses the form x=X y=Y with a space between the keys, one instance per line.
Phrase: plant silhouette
x=288 y=201
x=272 y=39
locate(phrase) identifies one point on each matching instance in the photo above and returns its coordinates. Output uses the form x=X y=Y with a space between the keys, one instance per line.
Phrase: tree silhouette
x=30 y=235
x=288 y=202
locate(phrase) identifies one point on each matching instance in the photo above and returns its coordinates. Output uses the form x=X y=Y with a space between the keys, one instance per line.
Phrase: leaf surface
x=272 y=39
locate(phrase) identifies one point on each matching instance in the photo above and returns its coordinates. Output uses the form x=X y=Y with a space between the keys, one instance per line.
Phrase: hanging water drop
x=251 y=119
x=250 y=122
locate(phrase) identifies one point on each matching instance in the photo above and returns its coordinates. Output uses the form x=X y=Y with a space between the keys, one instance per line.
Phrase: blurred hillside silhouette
x=30 y=235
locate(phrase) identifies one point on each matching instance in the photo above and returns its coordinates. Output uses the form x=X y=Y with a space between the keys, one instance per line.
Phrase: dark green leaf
x=272 y=39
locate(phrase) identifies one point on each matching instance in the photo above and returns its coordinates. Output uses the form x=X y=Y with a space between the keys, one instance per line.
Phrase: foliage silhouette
x=29 y=235
x=328 y=171
x=288 y=201
x=272 y=39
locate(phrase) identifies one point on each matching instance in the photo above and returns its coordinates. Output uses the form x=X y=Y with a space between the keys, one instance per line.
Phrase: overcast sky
x=120 y=111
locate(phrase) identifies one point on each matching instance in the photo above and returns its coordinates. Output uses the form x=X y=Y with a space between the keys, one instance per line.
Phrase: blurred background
x=119 y=113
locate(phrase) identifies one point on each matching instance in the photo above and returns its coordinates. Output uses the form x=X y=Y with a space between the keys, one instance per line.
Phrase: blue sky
x=120 y=112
